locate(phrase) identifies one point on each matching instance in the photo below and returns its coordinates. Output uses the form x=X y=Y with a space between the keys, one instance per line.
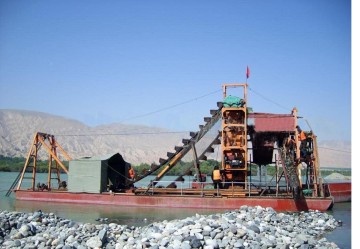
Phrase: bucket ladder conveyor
x=233 y=142
x=290 y=170
x=202 y=156
x=188 y=145
x=294 y=159
x=312 y=185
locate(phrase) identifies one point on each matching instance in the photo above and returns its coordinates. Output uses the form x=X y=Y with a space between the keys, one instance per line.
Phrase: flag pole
x=247 y=73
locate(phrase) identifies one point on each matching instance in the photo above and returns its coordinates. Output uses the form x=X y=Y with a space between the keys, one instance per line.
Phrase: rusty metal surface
x=221 y=203
x=341 y=191
x=267 y=122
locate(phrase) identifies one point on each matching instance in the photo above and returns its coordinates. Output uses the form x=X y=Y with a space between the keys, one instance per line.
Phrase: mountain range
x=136 y=143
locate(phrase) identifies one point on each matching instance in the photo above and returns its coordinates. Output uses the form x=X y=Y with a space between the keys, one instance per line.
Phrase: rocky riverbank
x=247 y=227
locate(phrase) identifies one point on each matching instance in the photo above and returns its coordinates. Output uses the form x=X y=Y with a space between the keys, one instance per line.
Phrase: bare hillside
x=137 y=144
x=335 y=154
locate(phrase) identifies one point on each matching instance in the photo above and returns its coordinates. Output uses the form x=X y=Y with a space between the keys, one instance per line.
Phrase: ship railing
x=185 y=188
x=174 y=183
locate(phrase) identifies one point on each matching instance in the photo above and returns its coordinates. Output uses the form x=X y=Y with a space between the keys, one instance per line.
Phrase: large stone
x=103 y=235
x=196 y=243
x=94 y=242
x=254 y=228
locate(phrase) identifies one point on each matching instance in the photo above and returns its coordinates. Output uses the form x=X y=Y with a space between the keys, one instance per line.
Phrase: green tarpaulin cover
x=233 y=101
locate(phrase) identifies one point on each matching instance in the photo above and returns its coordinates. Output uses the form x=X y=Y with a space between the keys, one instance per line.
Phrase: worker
x=228 y=176
x=131 y=177
x=131 y=173
x=216 y=177
x=302 y=135
x=302 y=139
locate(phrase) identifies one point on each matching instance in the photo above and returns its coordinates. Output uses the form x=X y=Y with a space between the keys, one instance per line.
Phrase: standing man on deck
x=302 y=139
x=131 y=175
x=216 y=177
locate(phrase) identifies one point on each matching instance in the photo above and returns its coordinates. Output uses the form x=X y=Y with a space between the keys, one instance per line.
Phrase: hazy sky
x=162 y=63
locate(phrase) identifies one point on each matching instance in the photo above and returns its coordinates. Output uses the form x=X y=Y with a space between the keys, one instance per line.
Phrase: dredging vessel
x=247 y=141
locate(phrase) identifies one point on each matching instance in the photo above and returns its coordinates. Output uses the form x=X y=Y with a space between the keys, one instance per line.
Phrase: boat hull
x=130 y=199
x=341 y=191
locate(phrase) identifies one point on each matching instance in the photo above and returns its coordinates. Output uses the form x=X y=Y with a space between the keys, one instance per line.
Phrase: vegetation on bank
x=16 y=164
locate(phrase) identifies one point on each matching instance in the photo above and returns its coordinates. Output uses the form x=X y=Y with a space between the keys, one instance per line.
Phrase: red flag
x=247 y=72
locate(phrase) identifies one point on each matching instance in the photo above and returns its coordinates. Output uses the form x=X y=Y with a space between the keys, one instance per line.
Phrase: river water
x=138 y=216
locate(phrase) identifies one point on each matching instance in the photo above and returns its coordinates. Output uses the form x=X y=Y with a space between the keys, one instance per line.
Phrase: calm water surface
x=137 y=216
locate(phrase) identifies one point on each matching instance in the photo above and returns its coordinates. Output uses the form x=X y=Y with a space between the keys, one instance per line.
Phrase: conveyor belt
x=181 y=151
x=291 y=176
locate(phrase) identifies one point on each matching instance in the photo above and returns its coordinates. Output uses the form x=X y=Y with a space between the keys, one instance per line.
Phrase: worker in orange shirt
x=302 y=139
x=131 y=175
x=216 y=177
x=302 y=135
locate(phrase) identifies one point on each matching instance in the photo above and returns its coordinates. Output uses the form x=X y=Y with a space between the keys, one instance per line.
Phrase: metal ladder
x=16 y=181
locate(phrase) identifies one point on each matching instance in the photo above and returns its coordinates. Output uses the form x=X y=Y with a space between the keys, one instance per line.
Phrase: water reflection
x=132 y=216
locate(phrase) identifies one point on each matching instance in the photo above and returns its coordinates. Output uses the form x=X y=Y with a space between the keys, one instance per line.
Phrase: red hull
x=129 y=199
x=341 y=192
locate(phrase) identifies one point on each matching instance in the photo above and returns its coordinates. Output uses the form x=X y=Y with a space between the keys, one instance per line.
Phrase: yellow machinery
x=234 y=136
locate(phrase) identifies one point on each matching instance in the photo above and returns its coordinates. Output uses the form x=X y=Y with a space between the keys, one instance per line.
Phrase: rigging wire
x=275 y=103
x=170 y=107
x=122 y=134
x=326 y=148
x=281 y=106
x=181 y=132
x=146 y=114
